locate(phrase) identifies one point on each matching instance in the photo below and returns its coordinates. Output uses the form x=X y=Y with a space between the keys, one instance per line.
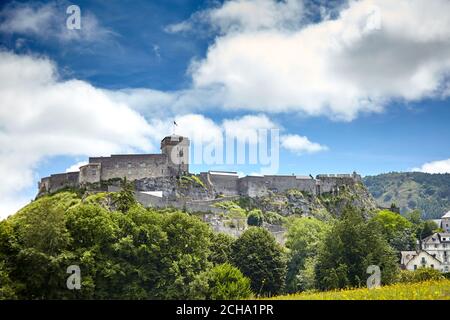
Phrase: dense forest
x=428 y=193
x=126 y=251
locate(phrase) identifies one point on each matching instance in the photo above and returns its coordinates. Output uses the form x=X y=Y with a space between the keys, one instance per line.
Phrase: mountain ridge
x=429 y=193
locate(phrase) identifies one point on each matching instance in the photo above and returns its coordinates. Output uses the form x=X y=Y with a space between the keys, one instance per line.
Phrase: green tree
x=423 y=228
x=260 y=258
x=139 y=254
x=184 y=255
x=255 y=218
x=223 y=282
x=398 y=230
x=124 y=199
x=349 y=248
x=304 y=237
x=7 y=290
x=427 y=228
x=221 y=248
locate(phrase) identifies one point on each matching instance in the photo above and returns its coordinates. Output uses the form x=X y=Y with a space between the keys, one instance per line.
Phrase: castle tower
x=177 y=150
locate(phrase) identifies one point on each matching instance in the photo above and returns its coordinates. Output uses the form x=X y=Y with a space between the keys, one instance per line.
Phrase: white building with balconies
x=434 y=250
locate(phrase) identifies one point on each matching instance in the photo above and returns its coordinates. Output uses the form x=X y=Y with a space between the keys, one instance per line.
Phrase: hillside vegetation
x=428 y=290
x=126 y=251
x=429 y=193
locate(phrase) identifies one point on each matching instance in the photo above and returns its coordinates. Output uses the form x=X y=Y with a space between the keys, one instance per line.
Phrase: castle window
x=415 y=267
x=432 y=266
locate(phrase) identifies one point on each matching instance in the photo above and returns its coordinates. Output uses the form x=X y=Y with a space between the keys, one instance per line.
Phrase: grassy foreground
x=428 y=290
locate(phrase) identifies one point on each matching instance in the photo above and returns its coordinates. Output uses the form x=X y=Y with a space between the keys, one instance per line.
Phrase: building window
x=435 y=245
x=129 y=164
x=432 y=266
x=415 y=267
x=423 y=260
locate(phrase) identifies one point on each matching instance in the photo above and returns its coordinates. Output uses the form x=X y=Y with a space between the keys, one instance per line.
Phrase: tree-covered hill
x=429 y=193
x=123 y=250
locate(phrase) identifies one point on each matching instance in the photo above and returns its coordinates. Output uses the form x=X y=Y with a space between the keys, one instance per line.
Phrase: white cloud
x=299 y=144
x=248 y=128
x=76 y=166
x=374 y=52
x=48 y=21
x=440 y=166
x=251 y=15
x=243 y=15
x=41 y=116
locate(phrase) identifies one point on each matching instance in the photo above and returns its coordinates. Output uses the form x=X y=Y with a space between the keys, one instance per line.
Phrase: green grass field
x=428 y=290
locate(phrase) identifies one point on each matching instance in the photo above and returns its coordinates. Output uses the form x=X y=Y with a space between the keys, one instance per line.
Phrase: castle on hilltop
x=172 y=161
x=157 y=173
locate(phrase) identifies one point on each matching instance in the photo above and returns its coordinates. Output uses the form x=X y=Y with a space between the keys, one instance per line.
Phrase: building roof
x=434 y=238
x=437 y=238
x=447 y=215
x=414 y=254
x=224 y=173
x=407 y=256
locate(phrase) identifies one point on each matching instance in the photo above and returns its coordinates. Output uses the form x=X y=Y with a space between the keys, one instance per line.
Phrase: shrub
x=421 y=274
x=255 y=218
x=223 y=282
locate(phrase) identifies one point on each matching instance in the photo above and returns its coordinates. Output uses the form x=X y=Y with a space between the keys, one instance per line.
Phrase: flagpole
x=174 y=124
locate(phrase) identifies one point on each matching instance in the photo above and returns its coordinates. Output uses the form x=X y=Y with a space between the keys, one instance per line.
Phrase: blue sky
x=355 y=85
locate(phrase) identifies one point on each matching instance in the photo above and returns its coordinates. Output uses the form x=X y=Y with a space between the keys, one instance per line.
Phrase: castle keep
x=159 y=173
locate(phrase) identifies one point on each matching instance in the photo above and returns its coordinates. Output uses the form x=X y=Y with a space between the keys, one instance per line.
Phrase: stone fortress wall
x=230 y=184
x=173 y=162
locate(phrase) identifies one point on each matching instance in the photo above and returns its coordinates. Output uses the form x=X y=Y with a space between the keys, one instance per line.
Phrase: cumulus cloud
x=440 y=166
x=300 y=144
x=41 y=116
x=246 y=15
x=48 y=21
x=372 y=53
